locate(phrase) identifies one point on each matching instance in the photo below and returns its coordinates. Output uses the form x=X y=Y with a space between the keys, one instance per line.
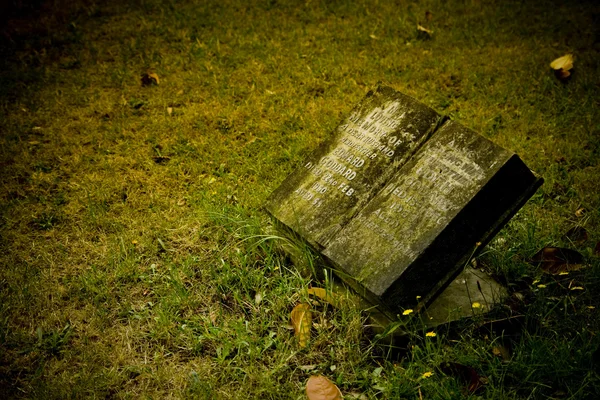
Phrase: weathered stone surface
x=472 y=292
x=398 y=204
x=340 y=177
x=456 y=191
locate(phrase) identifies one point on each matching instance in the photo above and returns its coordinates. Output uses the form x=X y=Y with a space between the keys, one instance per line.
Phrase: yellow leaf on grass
x=421 y=28
x=328 y=296
x=565 y=62
x=407 y=312
x=154 y=77
x=562 y=67
x=301 y=321
x=319 y=387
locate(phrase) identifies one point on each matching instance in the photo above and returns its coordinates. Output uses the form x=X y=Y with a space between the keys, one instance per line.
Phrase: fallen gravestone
x=399 y=199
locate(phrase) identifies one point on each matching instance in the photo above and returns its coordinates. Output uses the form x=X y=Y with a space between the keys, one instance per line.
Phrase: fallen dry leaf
x=319 y=387
x=427 y=32
x=554 y=260
x=150 y=78
x=562 y=74
x=328 y=296
x=562 y=67
x=302 y=321
x=565 y=62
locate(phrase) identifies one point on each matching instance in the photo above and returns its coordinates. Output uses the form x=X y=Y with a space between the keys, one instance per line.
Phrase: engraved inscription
x=422 y=201
x=425 y=198
x=364 y=137
x=373 y=130
x=341 y=177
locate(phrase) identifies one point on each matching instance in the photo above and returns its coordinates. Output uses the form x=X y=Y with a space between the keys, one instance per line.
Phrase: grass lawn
x=133 y=255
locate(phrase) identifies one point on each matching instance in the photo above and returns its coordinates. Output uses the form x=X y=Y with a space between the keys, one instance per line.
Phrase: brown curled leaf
x=554 y=260
x=319 y=387
x=562 y=74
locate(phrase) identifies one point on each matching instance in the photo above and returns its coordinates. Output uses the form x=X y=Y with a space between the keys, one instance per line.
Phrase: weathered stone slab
x=398 y=204
x=343 y=174
x=472 y=292
x=416 y=232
